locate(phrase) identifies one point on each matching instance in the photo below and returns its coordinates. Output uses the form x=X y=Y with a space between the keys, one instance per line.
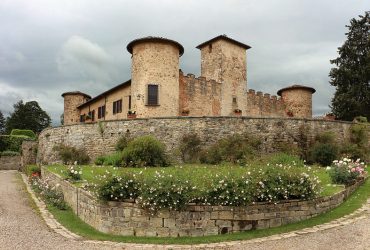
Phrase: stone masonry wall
x=199 y=96
x=29 y=153
x=97 y=141
x=264 y=105
x=10 y=162
x=127 y=218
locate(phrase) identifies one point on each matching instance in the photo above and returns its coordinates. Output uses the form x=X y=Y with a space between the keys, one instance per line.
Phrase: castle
x=158 y=88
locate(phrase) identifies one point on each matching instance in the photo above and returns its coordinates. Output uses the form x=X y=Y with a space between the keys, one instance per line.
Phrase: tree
x=27 y=115
x=2 y=123
x=351 y=77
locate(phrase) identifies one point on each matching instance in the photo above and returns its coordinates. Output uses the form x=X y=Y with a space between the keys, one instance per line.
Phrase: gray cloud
x=49 y=47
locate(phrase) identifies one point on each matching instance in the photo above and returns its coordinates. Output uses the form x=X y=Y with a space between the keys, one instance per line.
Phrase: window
x=92 y=115
x=117 y=107
x=129 y=102
x=82 y=118
x=101 y=112
x=152 y=94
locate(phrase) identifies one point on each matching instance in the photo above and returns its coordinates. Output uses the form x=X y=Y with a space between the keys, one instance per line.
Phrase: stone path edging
x=58 y=228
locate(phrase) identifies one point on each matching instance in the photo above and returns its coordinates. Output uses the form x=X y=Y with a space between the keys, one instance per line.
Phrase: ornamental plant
x=52 y=195
x=74 y=173
x=346 y=171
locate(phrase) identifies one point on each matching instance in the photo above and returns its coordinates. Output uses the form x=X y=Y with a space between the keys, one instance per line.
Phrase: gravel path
x=22 y=228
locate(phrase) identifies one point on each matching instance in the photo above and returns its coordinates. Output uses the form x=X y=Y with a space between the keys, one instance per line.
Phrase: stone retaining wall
x=10 y=162
x=100 y=138
x=127 y=218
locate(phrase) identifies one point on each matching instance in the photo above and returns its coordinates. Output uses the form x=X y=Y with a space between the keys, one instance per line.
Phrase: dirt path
x=22 y=228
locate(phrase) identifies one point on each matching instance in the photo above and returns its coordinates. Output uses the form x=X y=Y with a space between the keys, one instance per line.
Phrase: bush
x=346 y=171
x=114 y=159
x=51 y=194
x=9 y=153
x=24 y=132
x=99 y=160
x=190 y=147
x=122 y=142
x=70 y=155
x=119 y=188
x=12 y=142
x=74 y=173
x=165 y=190
x=144 y=151
x=326 y=137
x=323 y=154
x=234 y=149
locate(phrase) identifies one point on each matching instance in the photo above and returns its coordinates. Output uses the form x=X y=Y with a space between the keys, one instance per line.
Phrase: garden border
x=127 y=218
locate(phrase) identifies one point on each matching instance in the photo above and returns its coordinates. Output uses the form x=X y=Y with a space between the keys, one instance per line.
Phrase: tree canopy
x=351 y=77
x=2 y=123
x=27 y=115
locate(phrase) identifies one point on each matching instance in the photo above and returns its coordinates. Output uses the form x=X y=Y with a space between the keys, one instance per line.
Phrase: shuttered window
x=117 y=106
x=101 y=112
x=152 y=94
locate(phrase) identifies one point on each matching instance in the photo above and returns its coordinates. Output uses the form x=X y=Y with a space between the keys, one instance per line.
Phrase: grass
x=68 y=219
x=93 y=174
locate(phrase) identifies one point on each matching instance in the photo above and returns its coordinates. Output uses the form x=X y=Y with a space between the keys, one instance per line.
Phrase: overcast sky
x=50 y=47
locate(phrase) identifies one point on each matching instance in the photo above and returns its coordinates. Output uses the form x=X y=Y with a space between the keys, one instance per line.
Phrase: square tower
x=224 y=59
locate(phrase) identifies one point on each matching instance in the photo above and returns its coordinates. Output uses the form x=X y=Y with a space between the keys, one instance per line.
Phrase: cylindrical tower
x=297 y=100
x=71 y=101
x=155 y=76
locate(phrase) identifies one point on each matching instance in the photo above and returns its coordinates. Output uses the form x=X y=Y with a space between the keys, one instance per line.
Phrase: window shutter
x=152 y=94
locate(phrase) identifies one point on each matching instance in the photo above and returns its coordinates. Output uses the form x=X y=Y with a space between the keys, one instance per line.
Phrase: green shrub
x=32 y=169
x=346 y=171
x=12 y=142
x=74 y=173
x=99 y=160
x=9 y=153
x=190 y=146
x=323 y=154
x=122 y=142
x=24 y=132
x=70 y=155
x=50 y=194
x=144 y=151
x=165 y=190
x=234 y=149
x=119 y=188
x=114 y=159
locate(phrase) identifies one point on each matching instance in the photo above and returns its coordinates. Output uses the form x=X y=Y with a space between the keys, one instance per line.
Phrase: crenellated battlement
x=263 y=104
x=199 y=96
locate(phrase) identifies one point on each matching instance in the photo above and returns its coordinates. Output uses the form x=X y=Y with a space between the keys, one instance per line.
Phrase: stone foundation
x=127 y=218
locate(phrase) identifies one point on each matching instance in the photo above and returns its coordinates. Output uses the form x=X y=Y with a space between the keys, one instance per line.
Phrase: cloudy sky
x=49 y=47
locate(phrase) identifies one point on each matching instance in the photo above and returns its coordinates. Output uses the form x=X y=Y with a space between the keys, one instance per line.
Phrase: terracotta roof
x=296 y=86
x=76 y=93
x=154 y=39
x=104 y=93
x=224 y=37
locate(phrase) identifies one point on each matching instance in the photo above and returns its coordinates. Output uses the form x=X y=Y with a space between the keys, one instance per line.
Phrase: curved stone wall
x=127 y=218
x=100 y=138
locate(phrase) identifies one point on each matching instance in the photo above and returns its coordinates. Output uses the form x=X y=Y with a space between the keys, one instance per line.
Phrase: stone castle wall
x=199 y=96
x=100 y=139
x=128 y=218
x=260 y=104
x=10 y=162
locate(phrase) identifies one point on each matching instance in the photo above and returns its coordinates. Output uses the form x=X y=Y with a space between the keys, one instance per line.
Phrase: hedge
x=24 y=132
x=12 y=142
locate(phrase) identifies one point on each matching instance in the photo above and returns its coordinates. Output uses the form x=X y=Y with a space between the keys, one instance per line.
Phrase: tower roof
x=154 y=39
x=224 y=37
x=296 y=86
x=76 y=93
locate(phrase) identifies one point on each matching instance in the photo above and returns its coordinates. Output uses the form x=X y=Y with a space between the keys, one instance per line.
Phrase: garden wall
x=10 y=162
x=127 y=218
x=100 y=138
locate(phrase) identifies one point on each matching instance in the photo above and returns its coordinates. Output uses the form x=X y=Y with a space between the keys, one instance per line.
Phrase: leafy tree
x=27 y=115
x=351 y=77
x=2 y=123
